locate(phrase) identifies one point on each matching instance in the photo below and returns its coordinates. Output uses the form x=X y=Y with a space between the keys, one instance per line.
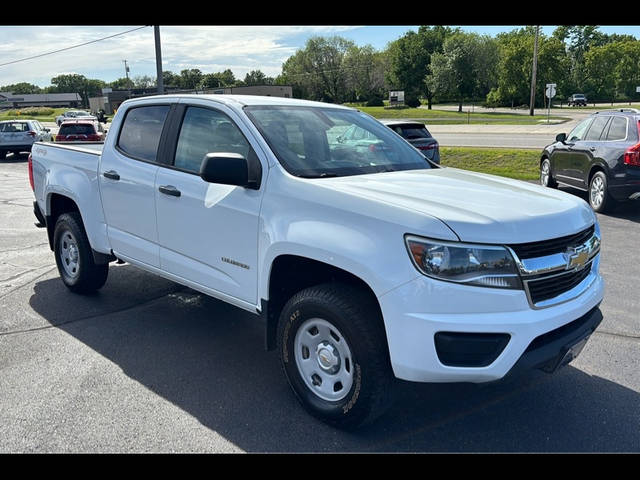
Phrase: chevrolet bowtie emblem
x=577 y=258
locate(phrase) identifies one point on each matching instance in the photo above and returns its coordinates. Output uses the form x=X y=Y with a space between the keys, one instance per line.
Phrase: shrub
x=375 y=101
x=33 y=111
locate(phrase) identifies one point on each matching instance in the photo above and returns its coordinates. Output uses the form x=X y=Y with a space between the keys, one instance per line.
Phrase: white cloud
x=209 y=48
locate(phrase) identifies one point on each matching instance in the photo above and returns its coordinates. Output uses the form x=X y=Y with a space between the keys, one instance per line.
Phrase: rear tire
x=3 y=154
x=599 y=197
x=333 y=350
x=74 y=256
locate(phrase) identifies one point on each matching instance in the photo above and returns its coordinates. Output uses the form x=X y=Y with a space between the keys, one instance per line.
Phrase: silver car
x=18 y=136
x=73 y=114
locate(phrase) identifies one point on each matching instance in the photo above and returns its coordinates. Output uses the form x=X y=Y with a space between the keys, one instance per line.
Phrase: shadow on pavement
x=208 y=358
x=626 y=210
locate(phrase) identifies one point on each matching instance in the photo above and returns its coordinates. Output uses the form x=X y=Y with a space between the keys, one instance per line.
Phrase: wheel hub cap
x=323 y=359
x=328 y=357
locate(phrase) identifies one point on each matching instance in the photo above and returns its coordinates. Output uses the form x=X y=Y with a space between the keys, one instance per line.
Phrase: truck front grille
x=550 y=287
x=549 y=247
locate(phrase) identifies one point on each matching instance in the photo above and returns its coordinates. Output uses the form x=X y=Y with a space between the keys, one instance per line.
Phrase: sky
x=208 y=48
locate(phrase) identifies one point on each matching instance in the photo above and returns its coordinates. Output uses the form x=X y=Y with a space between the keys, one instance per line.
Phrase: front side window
x=579 y=132
x=319 y=142
x=140 y=132
x=207 y=131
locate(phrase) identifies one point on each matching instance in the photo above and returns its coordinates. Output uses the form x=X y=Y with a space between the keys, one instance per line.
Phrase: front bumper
x=416 y=311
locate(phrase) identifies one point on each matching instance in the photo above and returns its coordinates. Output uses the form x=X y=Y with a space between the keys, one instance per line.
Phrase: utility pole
x=533 y=73
x=126 y=73
x=159 y=80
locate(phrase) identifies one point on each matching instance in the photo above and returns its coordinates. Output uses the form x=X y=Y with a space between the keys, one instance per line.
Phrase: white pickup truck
x=366 y=265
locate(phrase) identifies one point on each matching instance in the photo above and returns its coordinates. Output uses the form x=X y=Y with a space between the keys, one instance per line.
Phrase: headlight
x=469 y=264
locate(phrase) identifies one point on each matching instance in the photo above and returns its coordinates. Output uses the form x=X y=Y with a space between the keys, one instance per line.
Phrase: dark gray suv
x=601 y=155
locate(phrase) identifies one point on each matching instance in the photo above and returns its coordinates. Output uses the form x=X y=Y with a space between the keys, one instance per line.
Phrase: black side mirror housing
x=561 y=137
x=232 y=169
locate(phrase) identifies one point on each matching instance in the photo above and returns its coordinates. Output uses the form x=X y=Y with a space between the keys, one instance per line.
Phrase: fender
x=81 y=186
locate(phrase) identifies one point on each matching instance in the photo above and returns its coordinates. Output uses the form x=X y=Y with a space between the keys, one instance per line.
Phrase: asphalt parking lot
x=147 y=365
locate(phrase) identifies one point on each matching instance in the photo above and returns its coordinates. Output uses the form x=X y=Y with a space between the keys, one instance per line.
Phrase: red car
x=81 y=131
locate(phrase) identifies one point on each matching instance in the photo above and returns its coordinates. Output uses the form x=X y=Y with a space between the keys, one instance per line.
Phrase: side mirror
x=231 y=169
x=561 y=137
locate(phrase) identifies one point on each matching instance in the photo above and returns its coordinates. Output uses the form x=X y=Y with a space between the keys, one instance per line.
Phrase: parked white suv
x=19 y=135
x=364 y=264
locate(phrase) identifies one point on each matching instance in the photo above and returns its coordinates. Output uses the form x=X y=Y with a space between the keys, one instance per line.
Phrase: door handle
x=169 y=190
x=112 y=174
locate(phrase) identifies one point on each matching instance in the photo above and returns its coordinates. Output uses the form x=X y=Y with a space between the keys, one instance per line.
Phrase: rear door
x=591 y=150
x=208 y=233
x=127 y=178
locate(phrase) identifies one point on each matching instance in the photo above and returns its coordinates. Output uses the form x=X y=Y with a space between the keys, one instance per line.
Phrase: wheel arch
x=291 y=274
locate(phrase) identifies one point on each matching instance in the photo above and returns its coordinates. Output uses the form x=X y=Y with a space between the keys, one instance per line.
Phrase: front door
x=208 y=233
x=566 y=156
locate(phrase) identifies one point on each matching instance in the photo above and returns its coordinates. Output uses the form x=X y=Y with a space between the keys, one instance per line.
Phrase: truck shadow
x=13 y=158
x=208 y=358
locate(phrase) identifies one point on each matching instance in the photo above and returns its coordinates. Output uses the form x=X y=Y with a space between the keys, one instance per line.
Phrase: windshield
x=316 y=142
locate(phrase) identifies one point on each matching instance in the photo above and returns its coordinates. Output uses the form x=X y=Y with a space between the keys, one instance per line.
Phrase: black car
x=416 y=134
x=601 y=155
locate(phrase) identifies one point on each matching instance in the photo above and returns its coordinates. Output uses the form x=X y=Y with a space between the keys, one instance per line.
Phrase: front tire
x=546 y=180
x=74 y=256
x=334 y=353
x=599 y=197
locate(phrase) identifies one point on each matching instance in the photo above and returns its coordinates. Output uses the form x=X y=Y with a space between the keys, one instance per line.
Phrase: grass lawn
x=520 y=164
x=447 y=117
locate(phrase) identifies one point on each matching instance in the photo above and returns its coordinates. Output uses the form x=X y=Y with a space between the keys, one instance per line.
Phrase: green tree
x=316 y=71
x=515 y=54
x=409 y=60
x=22 y=88
x=75 y=83
x=465 y=68
x=190 y=78
x=364 y=74
x=257 y=77
x=599 y=68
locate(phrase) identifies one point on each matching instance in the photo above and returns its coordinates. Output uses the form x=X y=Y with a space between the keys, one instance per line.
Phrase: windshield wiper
x=319 y=175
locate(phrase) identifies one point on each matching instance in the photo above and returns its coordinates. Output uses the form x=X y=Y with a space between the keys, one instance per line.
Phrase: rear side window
x=141 y=130
x=78 y=129
x=597 y=127
x=14 y=127
x=618 y=129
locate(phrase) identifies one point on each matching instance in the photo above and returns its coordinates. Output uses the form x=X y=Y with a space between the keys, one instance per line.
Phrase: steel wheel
x=69 y=254
x=324 y=359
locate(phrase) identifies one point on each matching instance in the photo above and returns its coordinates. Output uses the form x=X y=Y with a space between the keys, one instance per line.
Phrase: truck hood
x=477 y=207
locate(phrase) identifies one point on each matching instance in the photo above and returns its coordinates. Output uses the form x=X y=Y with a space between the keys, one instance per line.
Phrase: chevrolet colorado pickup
x=365 y=264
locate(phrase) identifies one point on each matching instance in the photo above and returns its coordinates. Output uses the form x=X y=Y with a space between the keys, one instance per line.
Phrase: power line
x=69 y=48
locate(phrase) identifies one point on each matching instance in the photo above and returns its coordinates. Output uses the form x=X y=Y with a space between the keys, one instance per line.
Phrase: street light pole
x=533 y=73
x=160 y=80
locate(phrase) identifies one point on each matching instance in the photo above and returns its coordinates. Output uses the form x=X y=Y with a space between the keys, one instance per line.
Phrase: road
x=147 y=365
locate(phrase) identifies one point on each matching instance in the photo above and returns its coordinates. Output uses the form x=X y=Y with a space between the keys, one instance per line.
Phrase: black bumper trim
x=42 y=222
x=547 y=349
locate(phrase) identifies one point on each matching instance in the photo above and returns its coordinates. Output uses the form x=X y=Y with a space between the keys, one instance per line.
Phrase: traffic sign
x=550 y=91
